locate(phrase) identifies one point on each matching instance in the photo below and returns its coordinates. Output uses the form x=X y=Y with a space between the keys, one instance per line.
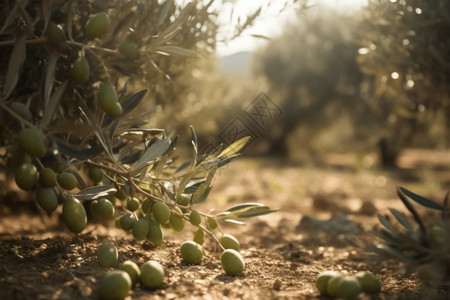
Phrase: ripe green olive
x=146 y=206
x=47 y=199
x=155 y=234
x=97 y=26
x=333 y=284
x=184 y=200
x=129 y=49
x=74 y=215
x=26 y=176
x=95 y=174
x=152 y=274
x=56 y=36
x=107 y=100
x=105 y=209
x=232 y=262
x=140 y=229
x=67 y=181
x=132 y=269
x=121 y=195
x=161 y=212
x=133 y=203
x=32 y=141
x=107 y=255
x=199 y=236
x=322 y=280
x=80 y=71
x=191 y=252
x=211 y=223
x=22 y=110
x=47 y=177
x=368 y=281
x=348 y=288
x=115 y=285
x=127 y=222
x=195 y=218
x=230 y=242
x=176 y=221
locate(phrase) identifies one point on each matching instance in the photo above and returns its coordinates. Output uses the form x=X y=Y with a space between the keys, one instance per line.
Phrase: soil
x=324 y=221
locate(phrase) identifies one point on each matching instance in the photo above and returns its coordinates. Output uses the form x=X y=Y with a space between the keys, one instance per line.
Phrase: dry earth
x=324 y=221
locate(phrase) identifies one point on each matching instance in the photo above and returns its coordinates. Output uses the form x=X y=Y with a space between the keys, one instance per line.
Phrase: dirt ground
x=324 y=221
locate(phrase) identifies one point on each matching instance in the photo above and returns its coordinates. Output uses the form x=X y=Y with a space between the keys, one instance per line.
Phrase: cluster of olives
x=96 y=27
x=334 y=284
x=117 y=283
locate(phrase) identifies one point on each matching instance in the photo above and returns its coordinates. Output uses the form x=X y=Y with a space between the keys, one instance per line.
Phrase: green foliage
x=73 y=108
x=421 y=249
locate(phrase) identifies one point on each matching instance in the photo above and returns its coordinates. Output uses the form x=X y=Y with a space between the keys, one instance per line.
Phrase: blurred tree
x=313 y=73
x=406 y=51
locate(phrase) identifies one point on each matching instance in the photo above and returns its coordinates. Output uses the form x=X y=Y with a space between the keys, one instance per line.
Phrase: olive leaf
x=16 y=61
x=163 y=13
x=234 y=148
x=152 y=153
x=96 y=192
x=53 y=103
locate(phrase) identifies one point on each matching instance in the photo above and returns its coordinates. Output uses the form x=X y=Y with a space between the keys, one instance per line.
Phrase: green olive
x=22 y=110
x=107 y=99
x=133 y=203
x=333 y=284
x=146 y=206
x=369 y=282
x=132 y=269
x=47 y=199
x=95 y=174
x=93 y=208
x=115 y=285
x=47 y=177
x=121 y=195
x=176 y=221
x=195 y=218
x=97 y=26
x=56 y=36
x=127 y=222
x=155 y=234
x=26 y=176
x=232 y=262
x=211 y=223
x=436 y=234
x=67 y=181
x=74 y=215
x=191 y=252
x=105 y=209
x=199 y=236
x=161 y=212
x=152 y=274
x=348 y=288
x=140 y=229
x=129 y=49
x=184 y=200
x=80 y=71
x=322 y=281
x=230 y=242
x=107 y=254
x=32 y=141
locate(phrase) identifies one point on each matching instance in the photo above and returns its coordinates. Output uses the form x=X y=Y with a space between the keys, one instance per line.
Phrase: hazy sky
x=271 y=23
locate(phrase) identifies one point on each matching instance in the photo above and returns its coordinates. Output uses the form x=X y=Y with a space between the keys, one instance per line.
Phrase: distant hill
x=236 y=64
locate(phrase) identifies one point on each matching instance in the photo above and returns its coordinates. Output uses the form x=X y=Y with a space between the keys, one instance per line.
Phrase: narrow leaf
x=234 y=148
x=49 y=77
x=133 y=101
x=53 y=103
x=194 y=137
x=203 y=196
x=413 y=211
x=183 y=166
x=16 y=60
x=234 y=221
x=174 y=50
x=421 y=200
x=153 y=152
x=386 y=223
x=96 y=192
x=402 y=219
x=192 y=186
x=163 y=13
